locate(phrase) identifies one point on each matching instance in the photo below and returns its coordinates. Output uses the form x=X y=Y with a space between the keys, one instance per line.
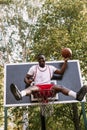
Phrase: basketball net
x=45 y=102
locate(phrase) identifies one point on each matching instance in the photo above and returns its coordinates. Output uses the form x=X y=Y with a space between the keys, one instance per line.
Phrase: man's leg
x=19 y=94
x=78 y=96
x=29 y=90
x=65 y=91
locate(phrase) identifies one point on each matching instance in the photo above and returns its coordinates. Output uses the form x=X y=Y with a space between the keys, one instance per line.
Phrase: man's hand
x=66 y=59
x=28 y=79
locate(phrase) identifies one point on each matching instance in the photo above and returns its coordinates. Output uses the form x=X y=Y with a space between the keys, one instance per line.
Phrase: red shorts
x=45 y=91
x=45 y=86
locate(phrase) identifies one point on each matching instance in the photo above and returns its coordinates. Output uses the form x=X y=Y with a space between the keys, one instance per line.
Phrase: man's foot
x=15 y=91
x=81 y=93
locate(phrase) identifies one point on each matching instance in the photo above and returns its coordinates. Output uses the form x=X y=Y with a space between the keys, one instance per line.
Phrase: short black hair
x=40 y=55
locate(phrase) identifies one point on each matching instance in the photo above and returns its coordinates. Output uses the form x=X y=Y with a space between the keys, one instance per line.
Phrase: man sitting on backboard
x=41 y=75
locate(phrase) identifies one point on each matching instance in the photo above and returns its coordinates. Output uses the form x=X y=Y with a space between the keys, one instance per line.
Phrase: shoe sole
x=15 y=92
x=82 y=93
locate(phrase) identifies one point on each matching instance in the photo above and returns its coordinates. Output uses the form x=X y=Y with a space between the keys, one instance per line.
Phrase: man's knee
x=57 y=88
x=34 y=88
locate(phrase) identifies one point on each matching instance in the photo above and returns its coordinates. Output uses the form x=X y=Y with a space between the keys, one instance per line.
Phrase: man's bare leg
x=19 y=94
x=29 y=90
x=65 y=91
x=77 y=95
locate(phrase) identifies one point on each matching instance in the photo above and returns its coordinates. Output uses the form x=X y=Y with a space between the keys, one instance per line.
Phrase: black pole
x=43 y=124
x=5 y=118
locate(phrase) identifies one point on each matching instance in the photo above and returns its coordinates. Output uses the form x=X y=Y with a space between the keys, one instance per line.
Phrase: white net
x=47 y=109
x=46 y=101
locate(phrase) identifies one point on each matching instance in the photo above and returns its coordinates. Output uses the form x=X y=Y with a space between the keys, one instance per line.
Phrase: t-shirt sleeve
x=52 y=69
x=31 y=71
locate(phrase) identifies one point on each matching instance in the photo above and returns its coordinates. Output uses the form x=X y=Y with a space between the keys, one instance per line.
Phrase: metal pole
x=84 y=115
x=43 y=123
x=5 y=118
x=25 y=120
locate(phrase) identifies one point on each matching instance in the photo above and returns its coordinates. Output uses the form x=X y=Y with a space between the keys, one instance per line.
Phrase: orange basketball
x=66 y=52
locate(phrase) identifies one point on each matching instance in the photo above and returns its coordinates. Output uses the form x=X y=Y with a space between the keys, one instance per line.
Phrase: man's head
x=41 y=60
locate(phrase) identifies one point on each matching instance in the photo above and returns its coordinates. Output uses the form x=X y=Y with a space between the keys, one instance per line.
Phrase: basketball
x=66 y=52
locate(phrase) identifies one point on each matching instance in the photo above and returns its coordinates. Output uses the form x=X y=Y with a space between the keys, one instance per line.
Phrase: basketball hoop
x=46 y=100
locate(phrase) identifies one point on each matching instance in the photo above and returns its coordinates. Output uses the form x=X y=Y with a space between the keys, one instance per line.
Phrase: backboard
x=15 y=73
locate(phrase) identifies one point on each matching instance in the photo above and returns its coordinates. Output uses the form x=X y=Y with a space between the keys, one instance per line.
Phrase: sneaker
x=81 y=93
x=16 y=92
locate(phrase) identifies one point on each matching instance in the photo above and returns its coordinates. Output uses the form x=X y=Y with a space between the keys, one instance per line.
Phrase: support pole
x=5 y=118
x=43 y=123
x=84 y=115
x=25 y=119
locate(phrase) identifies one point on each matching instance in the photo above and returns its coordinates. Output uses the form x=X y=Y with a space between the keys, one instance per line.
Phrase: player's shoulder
x=33 y=66
x=51 y=66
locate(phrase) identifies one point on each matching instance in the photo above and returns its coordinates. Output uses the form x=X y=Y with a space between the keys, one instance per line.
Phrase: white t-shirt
x=42 y=75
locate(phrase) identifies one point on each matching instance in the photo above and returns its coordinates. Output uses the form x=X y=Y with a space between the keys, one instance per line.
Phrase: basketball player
x=41 y=75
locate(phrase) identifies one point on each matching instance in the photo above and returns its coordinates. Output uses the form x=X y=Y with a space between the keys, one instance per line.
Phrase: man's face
x=41 y=60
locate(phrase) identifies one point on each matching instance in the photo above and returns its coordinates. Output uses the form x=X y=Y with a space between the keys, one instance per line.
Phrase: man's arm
x=28 y=79
x=63 y=68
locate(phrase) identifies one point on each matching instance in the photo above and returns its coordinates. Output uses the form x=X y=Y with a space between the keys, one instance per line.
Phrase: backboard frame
x=11 y=75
